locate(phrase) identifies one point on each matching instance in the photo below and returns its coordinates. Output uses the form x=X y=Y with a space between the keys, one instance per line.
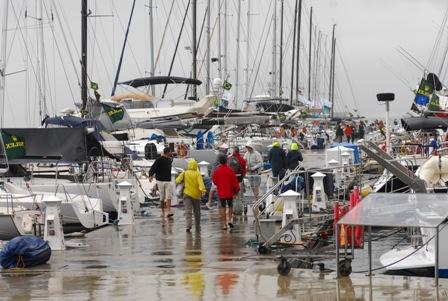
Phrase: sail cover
x=160 y=80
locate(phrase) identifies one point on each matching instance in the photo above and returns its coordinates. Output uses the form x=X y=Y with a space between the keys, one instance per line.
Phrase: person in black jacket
x=339 y=133
x=294 y=156
x=277 y=158
x=161 y=168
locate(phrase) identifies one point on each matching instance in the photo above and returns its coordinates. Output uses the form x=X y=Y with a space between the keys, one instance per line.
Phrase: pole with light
x=387 y=97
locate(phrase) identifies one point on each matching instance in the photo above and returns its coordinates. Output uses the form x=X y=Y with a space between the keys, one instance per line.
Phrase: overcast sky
x=368 y=36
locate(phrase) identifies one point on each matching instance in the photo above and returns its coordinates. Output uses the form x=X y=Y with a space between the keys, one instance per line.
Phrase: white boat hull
x=75 y=209
x=424 y=258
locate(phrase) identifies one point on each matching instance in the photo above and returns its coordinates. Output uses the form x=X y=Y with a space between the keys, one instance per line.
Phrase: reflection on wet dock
x=157 y=260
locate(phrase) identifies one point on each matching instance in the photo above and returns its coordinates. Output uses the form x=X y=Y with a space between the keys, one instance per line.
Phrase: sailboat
x=430 y=106
x=151 y=113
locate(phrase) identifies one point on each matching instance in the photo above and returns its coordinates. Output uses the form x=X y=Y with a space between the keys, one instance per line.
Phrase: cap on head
x=294 y=146
x=249 y=145
x=276 y=144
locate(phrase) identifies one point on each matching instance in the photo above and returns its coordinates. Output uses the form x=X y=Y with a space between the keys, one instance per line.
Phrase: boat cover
x=51 y=144
x=97 y=136
x=424 y=123
x=160 y=80
x=25 y=251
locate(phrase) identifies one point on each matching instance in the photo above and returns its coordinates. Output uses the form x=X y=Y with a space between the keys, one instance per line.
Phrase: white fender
x=434 y=171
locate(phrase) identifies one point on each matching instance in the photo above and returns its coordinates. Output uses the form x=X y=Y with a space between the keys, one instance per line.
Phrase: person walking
x=254 y=164
x=194 y=189
x=293 y=157
x=223 y=150
x=277 y=158
x=237 y=163
x=348 y=132
x=227 y=186
x=361 y=130
x=161 y=168
x=354 y=133
x=339 y=133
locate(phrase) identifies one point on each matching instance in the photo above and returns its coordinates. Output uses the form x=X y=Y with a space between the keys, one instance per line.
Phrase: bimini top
x=160 y=80
x=427 y=210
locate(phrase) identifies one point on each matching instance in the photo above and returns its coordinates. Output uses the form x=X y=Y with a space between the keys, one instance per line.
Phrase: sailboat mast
x=246 y=94
x=332 y=78
x=193 y=47
x=238 y=38
x=3 y=60
x=310 y=53
x=226 y=69
x=293 y=53
x=219 y=39
x=331 y=72
x=274 y=51
x=84 y=91
x=208 y=58
x=42 y=94
x=151 y=45
x=317 y=66
x=280 y=81
x=299 y=27
x=123 y=48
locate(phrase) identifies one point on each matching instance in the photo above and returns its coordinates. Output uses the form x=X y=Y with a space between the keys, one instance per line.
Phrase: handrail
x=295 y=172
x=271 y=190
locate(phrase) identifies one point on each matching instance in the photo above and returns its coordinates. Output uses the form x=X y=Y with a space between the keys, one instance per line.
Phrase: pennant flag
x=226 y=85
x=14 y=146
x=423 y=93
x=93 y=86
x=114 y=114
x=434 y=104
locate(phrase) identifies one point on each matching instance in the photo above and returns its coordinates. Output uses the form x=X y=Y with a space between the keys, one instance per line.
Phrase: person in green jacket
x=194 y=189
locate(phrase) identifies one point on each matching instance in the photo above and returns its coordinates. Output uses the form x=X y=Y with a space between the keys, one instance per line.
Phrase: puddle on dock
x=154 y=260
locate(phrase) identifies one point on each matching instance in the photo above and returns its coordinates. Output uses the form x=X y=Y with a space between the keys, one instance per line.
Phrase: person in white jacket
x=254 y=164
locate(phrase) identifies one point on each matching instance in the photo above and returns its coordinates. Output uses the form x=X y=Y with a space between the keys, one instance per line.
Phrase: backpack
x=234 y=164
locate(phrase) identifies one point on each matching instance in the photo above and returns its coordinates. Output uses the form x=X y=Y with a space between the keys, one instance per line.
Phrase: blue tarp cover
x=33 y=250
x=354 y=147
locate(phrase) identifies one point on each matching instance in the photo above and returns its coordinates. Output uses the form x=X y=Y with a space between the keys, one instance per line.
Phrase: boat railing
x=288 y=176
x=68 y=196
x=11 y=197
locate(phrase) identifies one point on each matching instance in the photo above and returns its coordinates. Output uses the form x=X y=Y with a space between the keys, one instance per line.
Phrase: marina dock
x=156 y=259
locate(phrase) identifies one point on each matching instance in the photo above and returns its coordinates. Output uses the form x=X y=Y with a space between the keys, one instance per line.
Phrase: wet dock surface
x=155 y=259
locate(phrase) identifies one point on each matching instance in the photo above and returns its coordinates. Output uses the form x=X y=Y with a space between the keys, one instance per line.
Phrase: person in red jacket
x=227 y=185
x=348 y=132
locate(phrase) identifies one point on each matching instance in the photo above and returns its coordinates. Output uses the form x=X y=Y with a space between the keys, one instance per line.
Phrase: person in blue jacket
x=294 y=156
x=277 y=158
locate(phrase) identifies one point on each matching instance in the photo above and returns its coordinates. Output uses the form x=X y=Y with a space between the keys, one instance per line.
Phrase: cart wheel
x=263 y=250
x=284 y=267
x=345 y=267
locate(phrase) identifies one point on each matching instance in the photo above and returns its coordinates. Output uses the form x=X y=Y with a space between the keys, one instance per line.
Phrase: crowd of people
x=227 y=176
x=230 y=169
x=351 y=131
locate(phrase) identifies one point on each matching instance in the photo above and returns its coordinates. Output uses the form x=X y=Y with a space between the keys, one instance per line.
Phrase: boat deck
x=156 y=259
